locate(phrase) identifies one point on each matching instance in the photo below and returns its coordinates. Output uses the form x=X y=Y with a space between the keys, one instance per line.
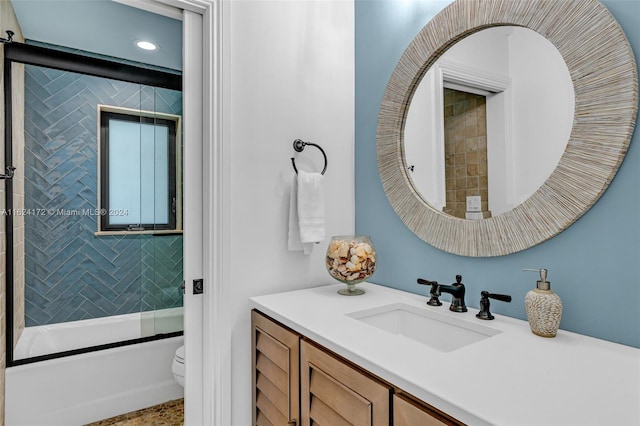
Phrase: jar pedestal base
x=351 y=290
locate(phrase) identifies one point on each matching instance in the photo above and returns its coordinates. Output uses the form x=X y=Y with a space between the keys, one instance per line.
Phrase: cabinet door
x=409 y=412
x=334 y=393
x=276 y=373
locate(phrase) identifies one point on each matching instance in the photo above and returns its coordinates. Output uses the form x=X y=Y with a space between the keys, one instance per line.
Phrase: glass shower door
x=162 y=250
x=95 y=252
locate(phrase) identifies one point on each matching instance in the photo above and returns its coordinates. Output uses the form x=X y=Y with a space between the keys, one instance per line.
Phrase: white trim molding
x=466 y=75
x=216 y=370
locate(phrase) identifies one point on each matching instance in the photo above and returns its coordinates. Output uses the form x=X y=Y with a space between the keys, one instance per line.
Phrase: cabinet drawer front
x=334 y=393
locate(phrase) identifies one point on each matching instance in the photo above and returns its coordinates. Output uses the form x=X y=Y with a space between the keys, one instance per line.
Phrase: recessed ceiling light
x=146 y=45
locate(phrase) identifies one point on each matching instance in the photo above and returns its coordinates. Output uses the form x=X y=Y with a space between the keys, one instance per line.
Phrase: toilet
x=177 y=367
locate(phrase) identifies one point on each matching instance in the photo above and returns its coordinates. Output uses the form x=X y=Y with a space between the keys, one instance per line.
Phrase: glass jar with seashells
x=351 y=259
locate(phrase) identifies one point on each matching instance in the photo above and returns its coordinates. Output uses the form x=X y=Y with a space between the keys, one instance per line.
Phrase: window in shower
x=71 y=289
x=138 y=170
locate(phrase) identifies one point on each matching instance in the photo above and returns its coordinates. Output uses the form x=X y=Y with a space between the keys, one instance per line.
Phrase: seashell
x=350 y=266
x=343 y=249
x=333 y=246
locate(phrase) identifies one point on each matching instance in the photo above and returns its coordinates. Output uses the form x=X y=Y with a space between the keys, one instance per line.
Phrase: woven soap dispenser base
x=544 y=311
x=543 y=307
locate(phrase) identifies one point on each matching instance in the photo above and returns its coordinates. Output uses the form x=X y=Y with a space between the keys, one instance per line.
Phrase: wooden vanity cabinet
x=276 y=372
x=298 y=382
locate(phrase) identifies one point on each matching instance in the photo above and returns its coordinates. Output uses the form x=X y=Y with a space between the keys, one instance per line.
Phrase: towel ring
x=299 y=145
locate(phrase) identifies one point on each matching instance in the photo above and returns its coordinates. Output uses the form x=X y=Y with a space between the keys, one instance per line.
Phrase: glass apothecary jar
x=351 y=259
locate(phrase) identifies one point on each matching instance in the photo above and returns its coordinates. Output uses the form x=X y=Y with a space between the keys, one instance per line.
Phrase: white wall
x=291 y=76
x=486 y=49
x=543 y=110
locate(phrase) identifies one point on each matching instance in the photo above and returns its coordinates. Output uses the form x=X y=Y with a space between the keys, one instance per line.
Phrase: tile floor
x=168 y=414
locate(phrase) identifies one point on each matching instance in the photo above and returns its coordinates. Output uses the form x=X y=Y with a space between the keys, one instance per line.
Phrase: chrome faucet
x=456 y=290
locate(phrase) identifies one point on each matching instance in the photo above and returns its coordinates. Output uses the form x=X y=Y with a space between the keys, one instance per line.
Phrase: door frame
x=206 y=165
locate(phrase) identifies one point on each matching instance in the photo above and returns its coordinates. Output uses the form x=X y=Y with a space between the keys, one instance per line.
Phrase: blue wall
x=71 y=274
x=594 y=265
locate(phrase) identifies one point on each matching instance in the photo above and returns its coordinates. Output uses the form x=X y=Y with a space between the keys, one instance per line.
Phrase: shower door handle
x=9 y=174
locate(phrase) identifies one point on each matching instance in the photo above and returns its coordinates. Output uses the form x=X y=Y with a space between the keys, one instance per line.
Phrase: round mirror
x=488 y=122
x=603 y=71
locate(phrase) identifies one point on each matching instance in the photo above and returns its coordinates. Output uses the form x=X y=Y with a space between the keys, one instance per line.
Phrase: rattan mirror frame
x=604 y=75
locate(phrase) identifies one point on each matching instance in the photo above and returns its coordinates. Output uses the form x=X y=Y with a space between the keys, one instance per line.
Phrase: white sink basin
x=438 y=331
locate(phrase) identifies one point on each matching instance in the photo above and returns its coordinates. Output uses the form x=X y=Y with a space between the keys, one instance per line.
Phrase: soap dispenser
x=543 y=307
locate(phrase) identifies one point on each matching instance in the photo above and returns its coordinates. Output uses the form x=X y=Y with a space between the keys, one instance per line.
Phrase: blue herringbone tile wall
x=71 y=274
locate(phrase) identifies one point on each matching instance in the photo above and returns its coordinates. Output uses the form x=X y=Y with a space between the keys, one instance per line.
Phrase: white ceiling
x=102 y=26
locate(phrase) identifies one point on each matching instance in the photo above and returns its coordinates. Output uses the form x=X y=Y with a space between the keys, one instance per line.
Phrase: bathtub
x=48 y=339
x=82 y=388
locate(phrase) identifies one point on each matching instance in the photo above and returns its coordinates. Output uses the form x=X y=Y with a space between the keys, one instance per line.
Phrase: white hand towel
x=294 y=243
x=311 y=207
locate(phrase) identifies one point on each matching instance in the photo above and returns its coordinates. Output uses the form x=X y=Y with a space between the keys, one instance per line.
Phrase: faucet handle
x=434 y=292
x=501 y=297
x=426 y=282
x=484 y=313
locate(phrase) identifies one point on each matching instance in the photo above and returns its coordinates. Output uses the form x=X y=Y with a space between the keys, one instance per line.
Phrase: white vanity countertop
x=512 y=378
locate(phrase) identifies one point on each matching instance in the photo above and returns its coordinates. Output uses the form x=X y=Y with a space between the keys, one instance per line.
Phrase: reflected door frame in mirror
x=604 y=75
x=427 y=135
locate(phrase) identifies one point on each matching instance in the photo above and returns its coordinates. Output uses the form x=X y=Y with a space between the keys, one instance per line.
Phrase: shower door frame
x=69 y=62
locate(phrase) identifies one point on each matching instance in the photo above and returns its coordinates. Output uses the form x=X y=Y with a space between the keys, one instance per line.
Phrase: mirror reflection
x=489 y=122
